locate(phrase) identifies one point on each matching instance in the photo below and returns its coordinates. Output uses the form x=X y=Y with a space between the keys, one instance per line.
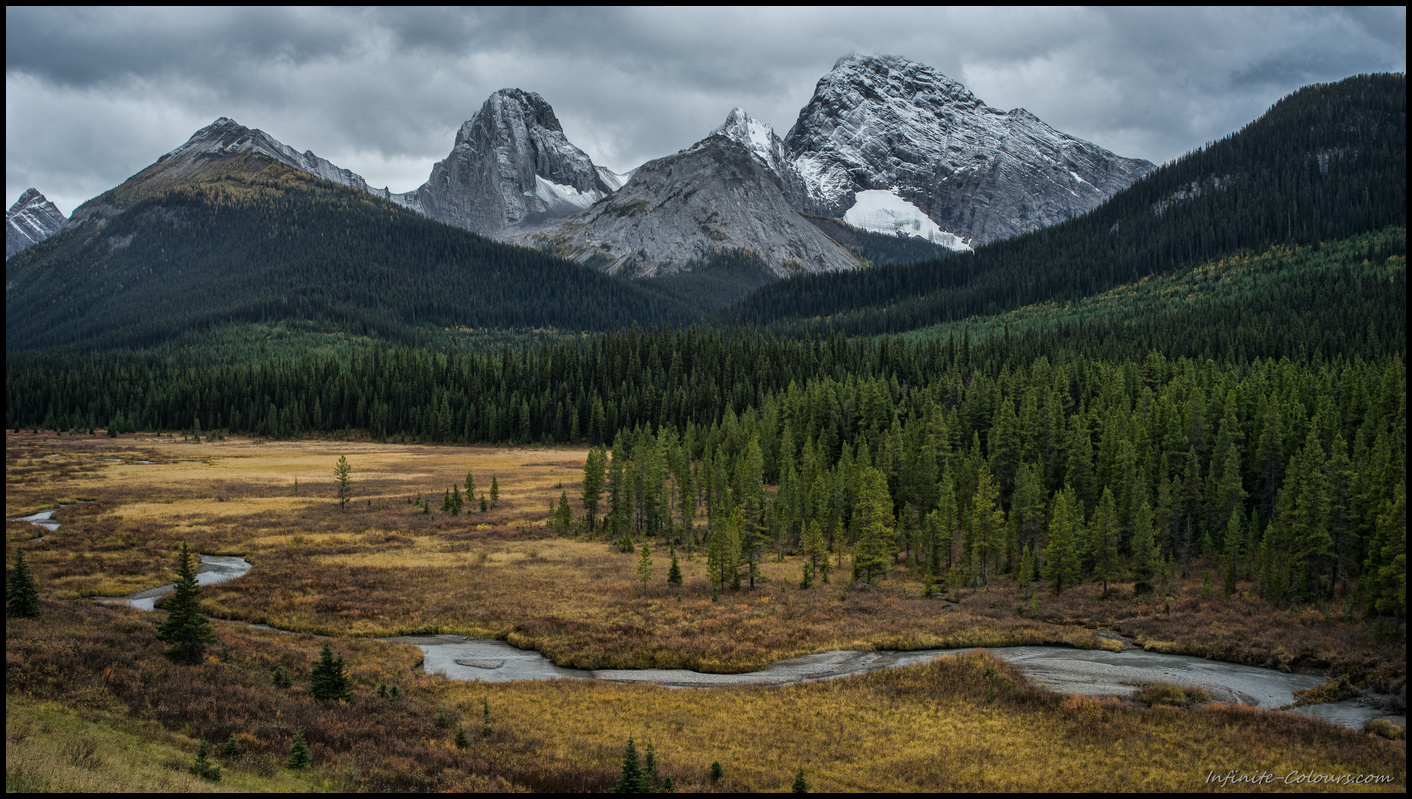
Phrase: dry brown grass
x=382 y=567
x=967 y=722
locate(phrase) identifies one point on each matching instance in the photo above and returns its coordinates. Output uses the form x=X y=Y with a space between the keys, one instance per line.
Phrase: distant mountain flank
x=722 y=194
x=29 y=221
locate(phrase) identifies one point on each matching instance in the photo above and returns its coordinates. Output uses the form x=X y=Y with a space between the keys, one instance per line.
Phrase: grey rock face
x=679 y=210
x=886 y=123
x=30 y=220
x=512 y=167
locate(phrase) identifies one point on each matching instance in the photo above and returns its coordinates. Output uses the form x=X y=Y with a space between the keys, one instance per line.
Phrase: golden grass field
x=382 y=567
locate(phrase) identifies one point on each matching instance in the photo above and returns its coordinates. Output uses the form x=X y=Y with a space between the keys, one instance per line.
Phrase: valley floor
x=381 y=566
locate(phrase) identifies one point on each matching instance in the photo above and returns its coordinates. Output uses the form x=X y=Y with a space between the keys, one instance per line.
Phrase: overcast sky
x=94 y=95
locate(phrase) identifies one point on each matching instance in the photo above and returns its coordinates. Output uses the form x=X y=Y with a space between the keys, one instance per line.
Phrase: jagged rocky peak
x=758 y=137
x=512 y=167
x=30 y=220
x=923 y=141
x=679 y=211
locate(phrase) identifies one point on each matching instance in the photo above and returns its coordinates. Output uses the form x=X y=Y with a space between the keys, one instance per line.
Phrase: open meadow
x=383 y=566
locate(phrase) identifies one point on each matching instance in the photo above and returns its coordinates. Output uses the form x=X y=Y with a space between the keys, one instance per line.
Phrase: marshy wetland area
x=92 y=704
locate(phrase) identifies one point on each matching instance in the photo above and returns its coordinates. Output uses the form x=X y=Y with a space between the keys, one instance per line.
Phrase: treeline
x=1328 y=162
x=1291 y=476
x=281 y=245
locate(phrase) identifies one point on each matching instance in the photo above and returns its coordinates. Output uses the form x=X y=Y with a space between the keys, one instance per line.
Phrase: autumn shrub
x=1161 y=693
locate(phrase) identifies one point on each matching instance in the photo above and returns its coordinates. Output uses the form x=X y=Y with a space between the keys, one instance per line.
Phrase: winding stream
x=1083 y=671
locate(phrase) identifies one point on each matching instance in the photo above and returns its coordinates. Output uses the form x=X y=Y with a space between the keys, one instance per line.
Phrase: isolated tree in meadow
x=470 y=487
x=800 y=784
x=494 y=491
x=345 y=485
x=644 y=567
x=21 y=595
x=632 y=779
x=563 y=515
x=186 y=629
x=299 y=756
x=328 y=680
x=674 y=572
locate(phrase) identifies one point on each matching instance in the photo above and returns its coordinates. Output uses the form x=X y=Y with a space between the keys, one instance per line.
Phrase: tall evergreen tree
x=21 y=596
x=873 y=517
x=1062 y=565
x=1103 y=540
x=345 y=485
x=987 y=527
x=186 y=629
x=593 y=475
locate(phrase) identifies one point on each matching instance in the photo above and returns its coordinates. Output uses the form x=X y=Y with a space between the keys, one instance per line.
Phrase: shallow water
x=1066 y=670
x=213 y=569
x=1083 y=671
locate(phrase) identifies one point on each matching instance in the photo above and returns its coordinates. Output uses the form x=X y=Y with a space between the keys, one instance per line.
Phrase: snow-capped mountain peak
x=30 y=220
x=758 y=137
x=884 y=123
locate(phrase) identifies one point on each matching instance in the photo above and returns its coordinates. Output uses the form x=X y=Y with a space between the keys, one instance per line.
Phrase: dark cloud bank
x=94 y=94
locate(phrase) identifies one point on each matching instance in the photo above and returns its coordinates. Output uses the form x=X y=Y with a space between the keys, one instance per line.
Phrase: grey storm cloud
x=94 y=94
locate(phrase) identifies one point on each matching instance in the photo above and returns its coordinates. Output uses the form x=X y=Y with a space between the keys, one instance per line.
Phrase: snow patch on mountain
x=563 y=200
x=882 y=211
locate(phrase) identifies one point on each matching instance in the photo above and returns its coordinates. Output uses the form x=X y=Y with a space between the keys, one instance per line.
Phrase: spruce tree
x=21 y=596
x=202 y=767
x=1062 y=564
x=494 y=491
x=328 y=680
x=674 y=572
x=299 y=756
x=1145 y=553
x=644 y=566
x=345 y=486
x=800 y=785
x=1103 y=540
x=186 y=629
x=632 y=779
x=873 y=516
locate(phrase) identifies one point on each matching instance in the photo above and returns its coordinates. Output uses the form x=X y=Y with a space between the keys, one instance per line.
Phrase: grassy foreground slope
x=967 y=722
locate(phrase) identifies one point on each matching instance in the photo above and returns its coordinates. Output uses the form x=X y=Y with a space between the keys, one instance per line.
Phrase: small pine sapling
x=202 y=766
x=299 y=756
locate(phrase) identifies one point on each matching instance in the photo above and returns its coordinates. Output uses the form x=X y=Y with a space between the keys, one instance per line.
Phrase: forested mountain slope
x=1327 y=162
x=255 y=240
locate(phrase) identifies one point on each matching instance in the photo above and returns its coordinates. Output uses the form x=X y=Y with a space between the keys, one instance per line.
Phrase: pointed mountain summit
x=512 y=167
x=223 y=144
x=903 y=141
x=720 y=195
x=30 y=220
